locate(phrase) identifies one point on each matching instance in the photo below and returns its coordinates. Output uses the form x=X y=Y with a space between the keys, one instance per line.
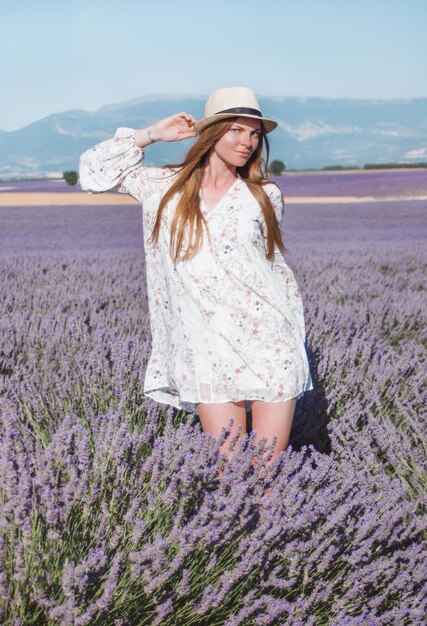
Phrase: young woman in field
x=225 y=310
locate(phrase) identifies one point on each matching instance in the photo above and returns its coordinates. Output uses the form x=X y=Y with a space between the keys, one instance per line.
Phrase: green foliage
x=276 y=168
x=386 y=166
x=71 y=177
x=340 y=167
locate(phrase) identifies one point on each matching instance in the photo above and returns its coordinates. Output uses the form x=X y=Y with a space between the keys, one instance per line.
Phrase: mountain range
x=312 y=132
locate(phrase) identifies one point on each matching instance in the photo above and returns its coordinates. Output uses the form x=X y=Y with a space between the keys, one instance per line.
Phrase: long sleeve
x=282 y=269
x=116 y=165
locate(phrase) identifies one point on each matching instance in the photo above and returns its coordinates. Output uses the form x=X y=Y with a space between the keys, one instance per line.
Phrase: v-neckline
x=209 y=211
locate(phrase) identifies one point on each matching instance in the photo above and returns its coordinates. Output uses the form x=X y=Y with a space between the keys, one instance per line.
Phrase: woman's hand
x=173 y=128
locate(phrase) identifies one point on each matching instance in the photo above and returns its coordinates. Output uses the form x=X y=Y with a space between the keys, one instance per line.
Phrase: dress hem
x=162 y=397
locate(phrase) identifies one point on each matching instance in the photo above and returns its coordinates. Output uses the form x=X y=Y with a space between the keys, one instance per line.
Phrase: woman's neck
x=218 y=174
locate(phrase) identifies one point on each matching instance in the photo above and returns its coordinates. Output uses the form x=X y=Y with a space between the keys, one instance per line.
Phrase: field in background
x=94 y=226
x=377 y=183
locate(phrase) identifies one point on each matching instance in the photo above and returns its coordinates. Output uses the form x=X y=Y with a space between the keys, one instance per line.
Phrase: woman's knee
x=215 y=417
x=273 y=420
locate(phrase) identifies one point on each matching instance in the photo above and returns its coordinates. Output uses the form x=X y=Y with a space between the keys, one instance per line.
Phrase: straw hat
x=229 y=101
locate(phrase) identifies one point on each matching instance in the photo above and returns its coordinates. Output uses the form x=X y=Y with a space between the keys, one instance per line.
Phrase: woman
x=225 y=310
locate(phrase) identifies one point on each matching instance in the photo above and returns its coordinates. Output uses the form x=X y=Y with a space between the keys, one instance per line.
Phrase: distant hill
x=312 y=132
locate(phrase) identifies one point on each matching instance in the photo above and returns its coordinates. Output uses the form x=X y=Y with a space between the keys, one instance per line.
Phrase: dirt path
x=47 y=198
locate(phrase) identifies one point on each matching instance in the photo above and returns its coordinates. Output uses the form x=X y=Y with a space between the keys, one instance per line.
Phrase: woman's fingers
x=186 y=118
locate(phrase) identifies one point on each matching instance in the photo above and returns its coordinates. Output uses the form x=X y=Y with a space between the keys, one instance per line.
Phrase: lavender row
x=78 y=230
x=377 y=184
x=30 y=186
x=356 y=183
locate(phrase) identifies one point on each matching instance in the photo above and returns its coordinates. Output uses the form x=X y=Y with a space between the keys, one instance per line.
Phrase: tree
x=70 y=177
x=276 y=168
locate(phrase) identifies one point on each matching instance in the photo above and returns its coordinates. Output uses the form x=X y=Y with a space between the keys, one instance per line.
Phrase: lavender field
x=112 y=512
x=378 y=183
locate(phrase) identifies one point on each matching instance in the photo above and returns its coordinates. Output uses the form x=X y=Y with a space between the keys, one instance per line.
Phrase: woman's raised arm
x=116 y=164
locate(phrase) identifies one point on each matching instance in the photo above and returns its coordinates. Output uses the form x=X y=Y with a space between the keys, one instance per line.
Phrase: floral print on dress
x=228 y=324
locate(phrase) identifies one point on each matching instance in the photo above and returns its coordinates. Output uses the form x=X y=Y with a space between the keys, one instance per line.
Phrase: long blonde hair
x=188 y=217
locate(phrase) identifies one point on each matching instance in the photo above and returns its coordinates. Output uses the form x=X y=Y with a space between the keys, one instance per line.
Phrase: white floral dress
x=228 y=324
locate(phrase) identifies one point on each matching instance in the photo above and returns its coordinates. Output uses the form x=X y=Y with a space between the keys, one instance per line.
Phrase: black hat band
x=243 y=110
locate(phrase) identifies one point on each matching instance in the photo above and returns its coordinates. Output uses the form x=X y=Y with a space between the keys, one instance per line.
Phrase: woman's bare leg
x=215 y=416
x=270 y=419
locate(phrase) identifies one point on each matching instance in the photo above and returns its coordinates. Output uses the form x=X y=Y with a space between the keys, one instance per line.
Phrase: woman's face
x=237 y=144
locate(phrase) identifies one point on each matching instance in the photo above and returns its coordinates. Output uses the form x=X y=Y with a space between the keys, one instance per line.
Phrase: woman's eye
x=256 y=133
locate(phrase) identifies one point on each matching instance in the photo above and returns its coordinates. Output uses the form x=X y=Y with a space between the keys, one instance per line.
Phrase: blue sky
x=83 y=54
